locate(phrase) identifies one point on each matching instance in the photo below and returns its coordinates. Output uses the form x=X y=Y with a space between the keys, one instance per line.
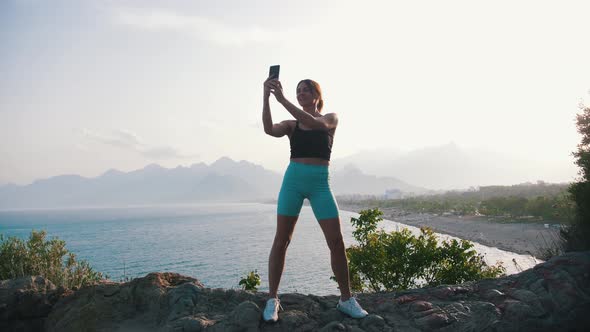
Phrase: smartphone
x=274 y=71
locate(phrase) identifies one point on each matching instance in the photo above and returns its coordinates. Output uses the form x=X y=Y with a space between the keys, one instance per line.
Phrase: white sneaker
x=352 y=308
x=271 y=312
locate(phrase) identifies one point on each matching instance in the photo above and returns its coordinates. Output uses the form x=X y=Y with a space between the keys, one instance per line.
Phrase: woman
x=311 y=135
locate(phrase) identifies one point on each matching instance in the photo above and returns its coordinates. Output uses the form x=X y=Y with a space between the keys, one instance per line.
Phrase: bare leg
x=276 y=260
x=333 y=234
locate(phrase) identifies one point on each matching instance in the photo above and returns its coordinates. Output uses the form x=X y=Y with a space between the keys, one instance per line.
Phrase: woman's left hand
x=277 y=90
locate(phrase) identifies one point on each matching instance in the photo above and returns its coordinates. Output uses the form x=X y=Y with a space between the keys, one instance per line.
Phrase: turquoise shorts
x=311 y=182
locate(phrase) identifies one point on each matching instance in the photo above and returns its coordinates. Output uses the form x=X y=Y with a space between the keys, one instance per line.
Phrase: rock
x=524 y=295
x=472 y=315
x=295 y=320
x=433 y=321
x=302 y=302
x=330 y=315
x=247 y=315
x=493 y=294
x=386 y=307
x=25 y=298
x=182 y=300
x=333 y=326
x=374 y=323
x=539 y=287
x=145 y=303
x=356 y=329
x=420 y=306
x=26 y=302
x=191 y=324
x=554 y=295
x=518 y=311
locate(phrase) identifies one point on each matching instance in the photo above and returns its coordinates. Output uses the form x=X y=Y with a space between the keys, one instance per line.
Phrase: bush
x=39 y=256
x=251 y=281
x=399 y=260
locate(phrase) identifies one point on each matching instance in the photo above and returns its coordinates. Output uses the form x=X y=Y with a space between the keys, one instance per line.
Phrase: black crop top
x=314 y=143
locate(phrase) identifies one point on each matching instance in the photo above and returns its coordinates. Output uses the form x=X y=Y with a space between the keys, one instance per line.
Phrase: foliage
x=577 y=235
x=512 y=206
x=251 y=281
x=553 y=245
x=38 y=256
x=400 y=260
x=541 y=201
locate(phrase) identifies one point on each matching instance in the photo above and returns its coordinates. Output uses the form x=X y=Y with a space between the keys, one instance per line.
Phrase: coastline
x=520 y=238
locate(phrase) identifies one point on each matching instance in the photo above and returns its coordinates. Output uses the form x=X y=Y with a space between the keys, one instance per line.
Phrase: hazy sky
x=90 y=85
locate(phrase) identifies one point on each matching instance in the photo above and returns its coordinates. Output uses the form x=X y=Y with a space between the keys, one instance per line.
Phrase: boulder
x=554 y=295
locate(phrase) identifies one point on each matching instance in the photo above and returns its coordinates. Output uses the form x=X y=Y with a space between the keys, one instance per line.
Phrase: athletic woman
x=311 y=135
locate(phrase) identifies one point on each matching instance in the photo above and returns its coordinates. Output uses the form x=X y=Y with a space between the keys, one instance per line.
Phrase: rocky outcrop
x=551 y=296
x=26 y=302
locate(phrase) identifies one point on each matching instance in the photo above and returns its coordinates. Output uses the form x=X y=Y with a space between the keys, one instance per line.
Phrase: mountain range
x=223 y=180
x=373 y=172
x=449 y=167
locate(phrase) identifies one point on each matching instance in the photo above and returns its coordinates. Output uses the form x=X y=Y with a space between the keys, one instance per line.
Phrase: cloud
x=201 y=27
x=127 y=140
x=164 y=152
x=119 y=138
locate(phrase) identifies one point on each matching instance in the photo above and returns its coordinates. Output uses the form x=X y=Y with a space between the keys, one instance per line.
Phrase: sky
x=87 y=86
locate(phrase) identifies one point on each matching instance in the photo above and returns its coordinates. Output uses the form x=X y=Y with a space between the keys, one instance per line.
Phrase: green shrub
x=251 y=281
x=38 y=256
x=399 y=260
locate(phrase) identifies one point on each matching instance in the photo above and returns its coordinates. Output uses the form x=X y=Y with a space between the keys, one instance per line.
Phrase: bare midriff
x=311 y=161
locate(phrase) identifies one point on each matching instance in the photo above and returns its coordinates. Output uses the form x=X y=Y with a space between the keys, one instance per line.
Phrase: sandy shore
x=521 y=238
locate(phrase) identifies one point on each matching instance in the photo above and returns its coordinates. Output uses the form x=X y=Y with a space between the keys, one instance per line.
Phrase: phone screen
x=274 y=71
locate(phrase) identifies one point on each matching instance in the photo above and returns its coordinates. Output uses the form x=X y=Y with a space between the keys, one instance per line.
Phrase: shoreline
x=520 y=238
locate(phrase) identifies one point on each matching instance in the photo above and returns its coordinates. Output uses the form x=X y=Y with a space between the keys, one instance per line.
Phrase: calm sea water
x=215 y=243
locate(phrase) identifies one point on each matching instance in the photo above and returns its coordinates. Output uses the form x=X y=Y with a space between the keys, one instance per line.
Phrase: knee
x=282 y=242
x=336 y=245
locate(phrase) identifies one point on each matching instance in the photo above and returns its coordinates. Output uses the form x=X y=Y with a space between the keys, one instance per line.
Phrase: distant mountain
x=350 y=180
x=223 y=180
x=448 y=167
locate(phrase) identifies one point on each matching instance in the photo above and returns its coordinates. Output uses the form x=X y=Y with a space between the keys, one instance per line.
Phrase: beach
x=519 y=237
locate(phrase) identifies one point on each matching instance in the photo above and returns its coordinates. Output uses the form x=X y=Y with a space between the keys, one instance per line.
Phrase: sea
x=217 y=243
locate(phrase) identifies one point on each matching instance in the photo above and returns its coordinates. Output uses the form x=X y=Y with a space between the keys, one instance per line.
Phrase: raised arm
x=275 y=130
x=326 y=122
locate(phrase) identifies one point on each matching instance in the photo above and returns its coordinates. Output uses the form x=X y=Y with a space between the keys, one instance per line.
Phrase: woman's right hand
x=267 y=87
